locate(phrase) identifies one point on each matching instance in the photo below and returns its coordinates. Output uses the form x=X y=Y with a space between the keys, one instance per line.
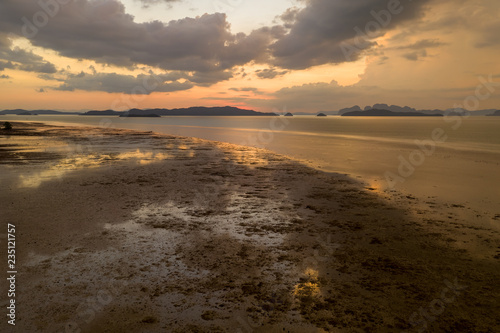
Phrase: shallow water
x=384 y=152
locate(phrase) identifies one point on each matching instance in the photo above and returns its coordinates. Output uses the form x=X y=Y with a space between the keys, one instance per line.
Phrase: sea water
x=453 y=159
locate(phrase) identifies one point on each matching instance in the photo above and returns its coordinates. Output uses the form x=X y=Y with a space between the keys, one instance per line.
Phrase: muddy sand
x=123 y=231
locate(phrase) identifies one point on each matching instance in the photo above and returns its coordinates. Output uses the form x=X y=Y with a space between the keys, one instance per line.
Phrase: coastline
x=164 y=232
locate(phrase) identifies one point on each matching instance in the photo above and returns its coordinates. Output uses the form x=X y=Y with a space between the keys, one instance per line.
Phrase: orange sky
x=432 y=57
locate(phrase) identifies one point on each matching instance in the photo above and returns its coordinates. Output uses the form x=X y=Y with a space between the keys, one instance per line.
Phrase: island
x=321 y=115
x=192 y=111
x=495 y=114
x=103 y=113
x=23 y=112
x=288 y=115
x=387 y=113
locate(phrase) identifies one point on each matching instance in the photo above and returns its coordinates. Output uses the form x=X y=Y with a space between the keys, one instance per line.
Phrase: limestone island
x=192 y=111
x=387 y=113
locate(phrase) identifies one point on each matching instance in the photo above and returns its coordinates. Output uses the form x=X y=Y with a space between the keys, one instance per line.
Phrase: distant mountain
x=24 y=112
x=393 y=108
x=387 y=113
x=495 y=114
x=354 y=108
x=192 y=111
x=396 y=108
x=103 y=113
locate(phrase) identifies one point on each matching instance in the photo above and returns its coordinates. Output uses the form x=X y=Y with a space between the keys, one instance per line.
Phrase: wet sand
x=123 y=231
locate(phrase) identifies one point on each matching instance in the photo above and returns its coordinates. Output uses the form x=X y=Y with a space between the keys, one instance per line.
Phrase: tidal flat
x=121 y=230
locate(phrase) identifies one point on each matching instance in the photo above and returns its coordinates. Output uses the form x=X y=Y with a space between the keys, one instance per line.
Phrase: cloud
x=322 y=96
x=50 y=77
x=205 y=79
x=476 y=22
x=3 y=76
x=17 y=58
x=117 y=83
x=143 y=84
x=45 y=67
x=325 y=30
x=414 y=56
x=101 y=30
x=202 y=51
x=147 y=3
x=488 y=35
x=270 y=73
x=246 y=89
x=6 y=64
x=423 y=44
x=418 y=49
x=313 y=97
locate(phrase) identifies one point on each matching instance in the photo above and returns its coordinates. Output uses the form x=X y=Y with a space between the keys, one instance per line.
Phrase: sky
x=294 y=55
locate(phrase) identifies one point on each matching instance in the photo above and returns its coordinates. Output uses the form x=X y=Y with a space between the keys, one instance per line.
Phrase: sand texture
x=123 y=231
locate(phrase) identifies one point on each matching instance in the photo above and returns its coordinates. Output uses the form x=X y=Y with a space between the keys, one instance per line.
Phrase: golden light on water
x=80 y=162
x=310 y=287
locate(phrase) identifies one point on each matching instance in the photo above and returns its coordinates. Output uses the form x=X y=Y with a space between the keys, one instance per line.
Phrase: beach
x=120 y=230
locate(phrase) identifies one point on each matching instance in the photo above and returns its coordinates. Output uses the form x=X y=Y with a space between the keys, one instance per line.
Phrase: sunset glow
x=89 y=54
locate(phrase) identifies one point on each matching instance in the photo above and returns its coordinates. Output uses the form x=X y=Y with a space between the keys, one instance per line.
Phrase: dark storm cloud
x=318 y=31
x=201 y=50
x=116 y=83
x=101 y=30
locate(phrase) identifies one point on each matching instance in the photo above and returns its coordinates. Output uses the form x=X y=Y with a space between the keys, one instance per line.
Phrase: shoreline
x=456 y=173
x=194 y=235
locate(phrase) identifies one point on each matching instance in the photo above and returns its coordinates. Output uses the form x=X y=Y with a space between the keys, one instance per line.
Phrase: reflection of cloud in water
x=248 y=157
x=36 y=178
x=65 y=165
x=143 y=157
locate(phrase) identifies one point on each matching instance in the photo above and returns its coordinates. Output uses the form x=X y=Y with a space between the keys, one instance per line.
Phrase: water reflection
x=34 y=177
x=308 y=287
x=249 y=157
x=143 y=157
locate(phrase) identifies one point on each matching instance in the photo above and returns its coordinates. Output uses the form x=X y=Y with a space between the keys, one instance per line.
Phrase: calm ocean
x=452 y=159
